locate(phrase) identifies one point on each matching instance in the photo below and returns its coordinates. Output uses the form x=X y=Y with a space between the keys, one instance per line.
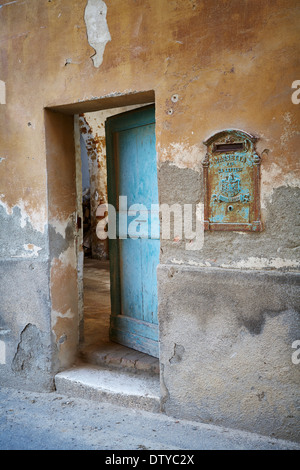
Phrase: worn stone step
x=117 y=356
x=113 y=386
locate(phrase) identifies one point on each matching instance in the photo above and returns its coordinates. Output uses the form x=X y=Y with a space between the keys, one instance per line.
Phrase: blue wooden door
x=134 y=255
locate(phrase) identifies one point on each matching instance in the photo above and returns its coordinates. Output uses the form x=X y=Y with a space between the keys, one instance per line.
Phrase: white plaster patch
x=250 y=263
x=191 y=262
x=5 y=206
x=37 y=219
x=2 y=92
x=2 y=352
x=55 y=315
x=59 y=226
x=33 y=250
x=182 y=155
x=262 y=263
x=68 y=257
x=97 y=29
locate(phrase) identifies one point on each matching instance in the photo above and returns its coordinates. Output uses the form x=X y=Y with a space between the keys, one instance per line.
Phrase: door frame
x=65 y=275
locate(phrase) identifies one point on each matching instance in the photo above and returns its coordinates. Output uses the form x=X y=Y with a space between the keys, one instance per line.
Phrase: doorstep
x=118 y=387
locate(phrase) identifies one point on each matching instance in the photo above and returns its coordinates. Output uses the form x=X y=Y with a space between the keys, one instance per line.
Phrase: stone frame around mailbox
x=228 y=147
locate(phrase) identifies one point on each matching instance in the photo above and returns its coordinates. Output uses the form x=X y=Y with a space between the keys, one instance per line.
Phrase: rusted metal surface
x=231 y=171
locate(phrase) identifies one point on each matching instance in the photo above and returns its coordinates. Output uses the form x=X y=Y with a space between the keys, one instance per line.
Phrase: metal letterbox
x=231 y=170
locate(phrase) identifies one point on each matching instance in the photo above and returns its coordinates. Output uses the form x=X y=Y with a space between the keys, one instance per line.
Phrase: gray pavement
x=51 y=421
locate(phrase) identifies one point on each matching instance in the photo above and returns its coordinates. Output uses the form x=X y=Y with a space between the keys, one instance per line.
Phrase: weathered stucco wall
x=212 y=65
x=226 y=347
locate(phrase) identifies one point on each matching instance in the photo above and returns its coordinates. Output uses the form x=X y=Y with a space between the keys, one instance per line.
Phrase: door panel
x=134 y=256
x=137 y=165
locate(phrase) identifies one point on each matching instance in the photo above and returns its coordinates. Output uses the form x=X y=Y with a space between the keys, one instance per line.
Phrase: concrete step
x=114 y=386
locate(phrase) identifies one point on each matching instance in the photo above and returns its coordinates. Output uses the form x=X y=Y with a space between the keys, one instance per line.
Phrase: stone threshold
x=119 y=387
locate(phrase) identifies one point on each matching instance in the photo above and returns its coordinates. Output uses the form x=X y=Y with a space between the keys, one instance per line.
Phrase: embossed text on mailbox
x=231 y=170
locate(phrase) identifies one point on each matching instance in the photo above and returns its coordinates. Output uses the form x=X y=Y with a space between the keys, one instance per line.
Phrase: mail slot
x=231 y=171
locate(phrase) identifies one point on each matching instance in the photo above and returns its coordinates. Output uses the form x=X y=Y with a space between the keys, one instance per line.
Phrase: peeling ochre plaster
x=37 y=219
x=273 y=177
x=59 y=226
x=97 y=29
x=182 y=155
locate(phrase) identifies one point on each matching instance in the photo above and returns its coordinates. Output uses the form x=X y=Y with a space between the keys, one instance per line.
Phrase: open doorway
x=101 y=344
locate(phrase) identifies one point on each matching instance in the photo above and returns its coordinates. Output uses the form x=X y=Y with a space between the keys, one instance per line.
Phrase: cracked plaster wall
x=212 y=65
x=226 y=350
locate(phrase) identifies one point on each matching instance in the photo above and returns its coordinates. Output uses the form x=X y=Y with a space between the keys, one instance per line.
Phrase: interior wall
x=92 y=128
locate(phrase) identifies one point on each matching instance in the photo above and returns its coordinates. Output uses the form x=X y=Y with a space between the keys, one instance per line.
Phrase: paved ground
x=30 y=420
